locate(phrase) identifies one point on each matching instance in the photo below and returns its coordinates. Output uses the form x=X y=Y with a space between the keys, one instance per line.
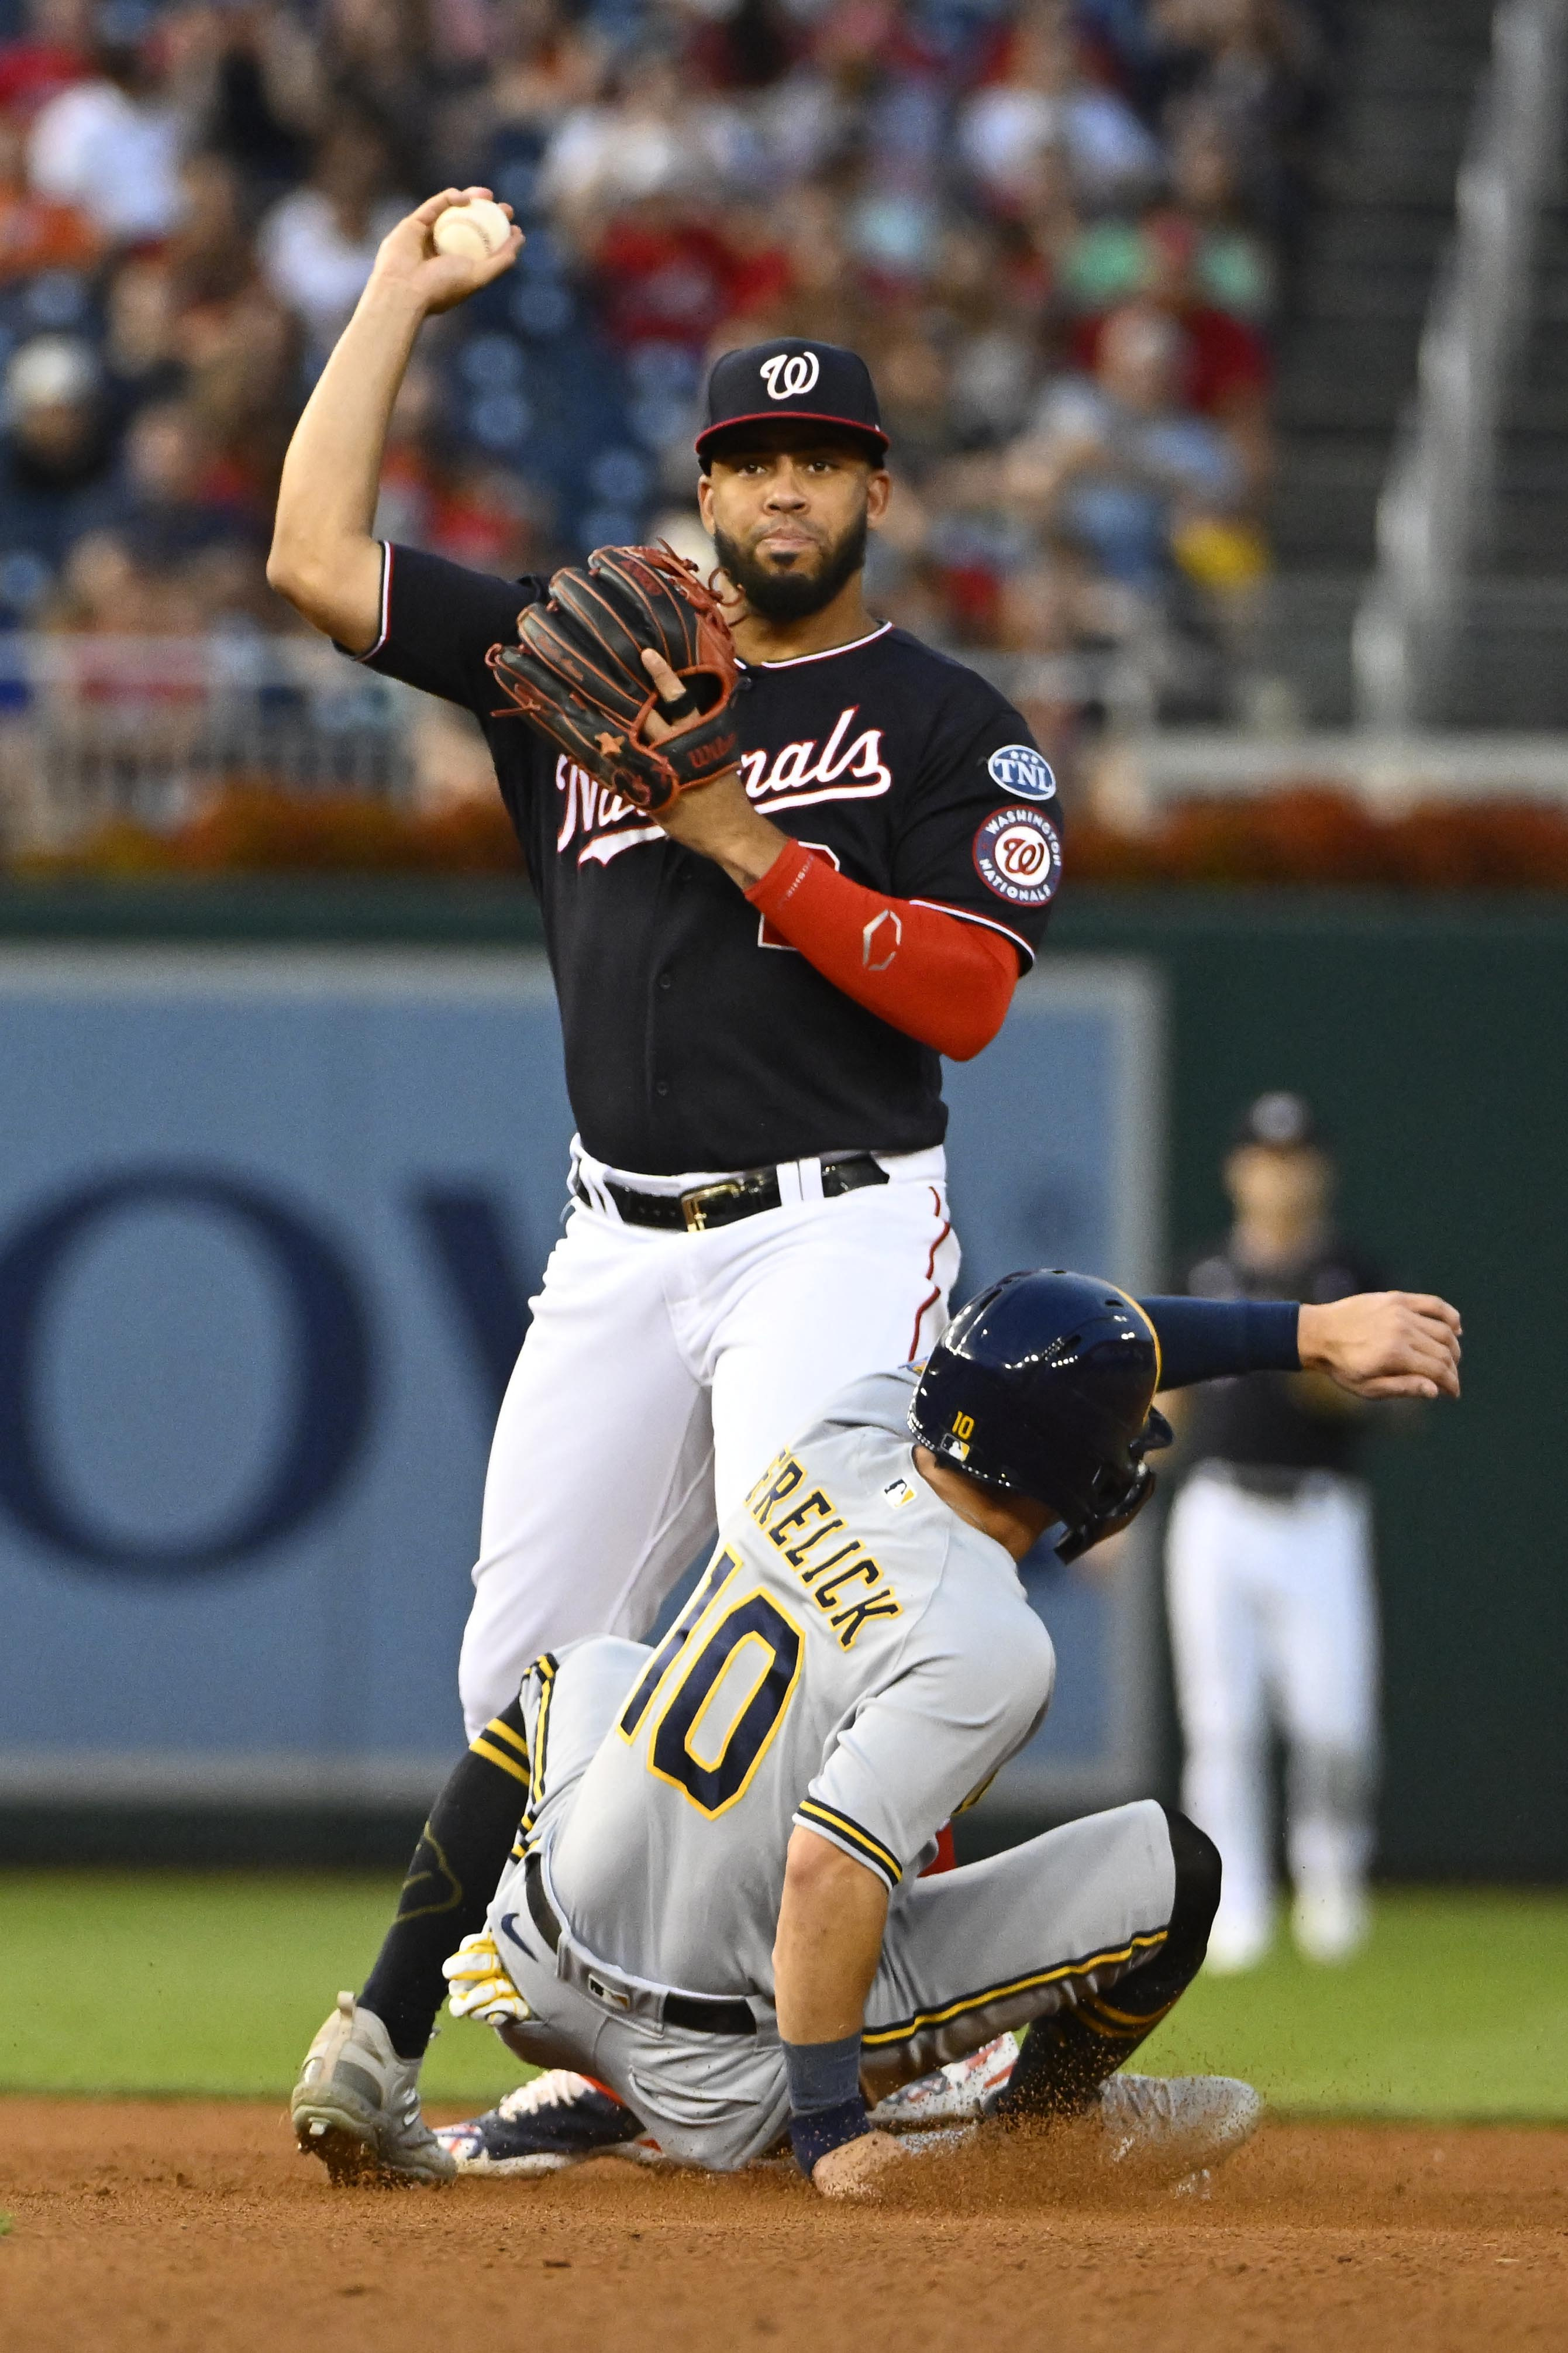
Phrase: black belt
x=732 y=1197
x=699 y=2013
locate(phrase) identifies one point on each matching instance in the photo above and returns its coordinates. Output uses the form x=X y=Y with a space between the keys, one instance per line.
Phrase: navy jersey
x=1283 y=1421
x=695 y=1041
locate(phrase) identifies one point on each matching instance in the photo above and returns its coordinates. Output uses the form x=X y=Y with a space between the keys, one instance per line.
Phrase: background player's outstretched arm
x=323 y=559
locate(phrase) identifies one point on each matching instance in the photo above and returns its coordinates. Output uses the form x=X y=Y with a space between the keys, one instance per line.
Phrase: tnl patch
x=1018 y=854
x=1019 y=768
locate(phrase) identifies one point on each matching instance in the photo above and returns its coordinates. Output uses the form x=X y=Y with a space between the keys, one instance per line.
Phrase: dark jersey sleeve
x=439 y=622
x=983 y=838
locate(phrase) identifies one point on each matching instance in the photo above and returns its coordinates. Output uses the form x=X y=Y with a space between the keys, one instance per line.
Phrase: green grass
x=1458 y=2006
x=174 y=1982
x=185 y=1983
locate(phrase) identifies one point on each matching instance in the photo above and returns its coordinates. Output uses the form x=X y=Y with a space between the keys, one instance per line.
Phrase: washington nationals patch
x=1018 y=854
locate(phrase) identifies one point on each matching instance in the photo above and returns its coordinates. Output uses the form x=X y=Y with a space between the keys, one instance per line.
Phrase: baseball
x=475 y=229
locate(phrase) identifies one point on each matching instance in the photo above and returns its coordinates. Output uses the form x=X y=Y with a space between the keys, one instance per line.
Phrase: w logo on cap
x=787 y=381
x=789 y=374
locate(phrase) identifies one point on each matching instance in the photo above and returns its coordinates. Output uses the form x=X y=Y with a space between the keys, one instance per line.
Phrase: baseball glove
x=576 y=673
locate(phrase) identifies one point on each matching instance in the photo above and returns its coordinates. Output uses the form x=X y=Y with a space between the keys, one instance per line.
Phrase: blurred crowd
x=1060 y=234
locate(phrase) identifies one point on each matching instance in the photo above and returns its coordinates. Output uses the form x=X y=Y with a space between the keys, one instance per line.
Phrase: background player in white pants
x=715 y=1903
x=1273 y=1606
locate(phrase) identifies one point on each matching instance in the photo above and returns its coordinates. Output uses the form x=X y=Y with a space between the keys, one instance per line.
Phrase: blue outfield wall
x=1434 y=1033
x=270 y=1220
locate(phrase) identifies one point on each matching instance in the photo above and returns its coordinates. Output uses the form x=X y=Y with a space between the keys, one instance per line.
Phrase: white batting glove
x=480 y=1987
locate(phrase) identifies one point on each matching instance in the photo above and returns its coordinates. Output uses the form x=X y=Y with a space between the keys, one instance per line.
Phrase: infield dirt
x=194 y=2226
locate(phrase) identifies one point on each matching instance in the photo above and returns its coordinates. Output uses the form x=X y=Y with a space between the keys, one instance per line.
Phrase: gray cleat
x=356 y=2105
x=1165 y=2125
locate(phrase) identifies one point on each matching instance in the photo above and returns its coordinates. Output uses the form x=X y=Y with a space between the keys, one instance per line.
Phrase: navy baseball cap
x=1285 y=1120
x=822 y=383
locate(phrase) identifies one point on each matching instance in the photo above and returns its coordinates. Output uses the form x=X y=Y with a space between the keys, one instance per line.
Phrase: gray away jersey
x=857 y=1658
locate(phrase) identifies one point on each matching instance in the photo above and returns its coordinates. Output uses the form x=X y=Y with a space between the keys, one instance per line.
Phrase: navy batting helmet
x=1043 y=1385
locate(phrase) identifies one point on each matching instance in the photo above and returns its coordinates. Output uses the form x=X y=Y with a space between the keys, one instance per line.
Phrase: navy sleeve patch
x=1018 y=854
x=1019 y=769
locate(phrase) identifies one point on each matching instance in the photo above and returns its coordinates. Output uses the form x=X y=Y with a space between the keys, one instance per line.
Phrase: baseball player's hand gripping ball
x=577 y=673
x=439 y=266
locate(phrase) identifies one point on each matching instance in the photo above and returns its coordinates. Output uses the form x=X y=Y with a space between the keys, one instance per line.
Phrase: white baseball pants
x=660 y=1374
x=1273 y=1613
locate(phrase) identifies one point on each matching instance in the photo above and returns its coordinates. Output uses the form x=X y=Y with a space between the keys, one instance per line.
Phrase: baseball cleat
x=1176 y=2125
x=954 y=2094
x=556 y=2120
x=946 y=2141
x=356 y=2105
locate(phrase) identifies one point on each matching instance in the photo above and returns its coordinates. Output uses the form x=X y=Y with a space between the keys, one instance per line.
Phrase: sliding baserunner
x=713 y=1907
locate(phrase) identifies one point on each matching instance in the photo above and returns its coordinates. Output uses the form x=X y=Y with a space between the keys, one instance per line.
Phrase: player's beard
x=792 y=596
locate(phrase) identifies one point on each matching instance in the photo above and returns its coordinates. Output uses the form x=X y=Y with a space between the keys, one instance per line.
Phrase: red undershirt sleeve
x=946 y=982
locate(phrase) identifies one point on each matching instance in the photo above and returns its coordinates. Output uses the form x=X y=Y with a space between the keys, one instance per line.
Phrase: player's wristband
x=1216 y=1339
x=824 y=2097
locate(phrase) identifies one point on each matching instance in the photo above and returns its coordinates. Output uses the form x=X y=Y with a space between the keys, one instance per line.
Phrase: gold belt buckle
x=694 y=1205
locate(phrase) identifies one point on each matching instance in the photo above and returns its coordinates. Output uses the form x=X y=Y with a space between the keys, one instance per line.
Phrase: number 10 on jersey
x=722 y=1696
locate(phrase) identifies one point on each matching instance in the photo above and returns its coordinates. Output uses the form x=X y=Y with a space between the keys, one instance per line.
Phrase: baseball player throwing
x=713 y=1906
x=756 y=979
